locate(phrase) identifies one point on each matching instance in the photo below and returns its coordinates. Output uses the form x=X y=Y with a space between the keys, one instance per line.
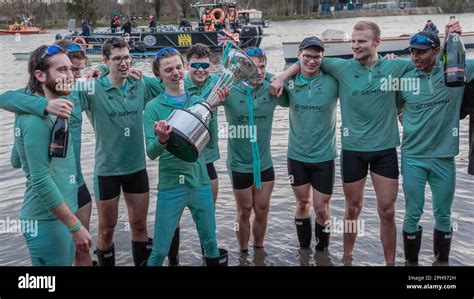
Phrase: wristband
x=76 y=227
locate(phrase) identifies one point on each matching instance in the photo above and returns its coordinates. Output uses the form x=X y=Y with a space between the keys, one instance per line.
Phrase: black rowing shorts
x=355 y=165
x=134 y=183
x=83 y=196
x=245 y=180
x=320 y=175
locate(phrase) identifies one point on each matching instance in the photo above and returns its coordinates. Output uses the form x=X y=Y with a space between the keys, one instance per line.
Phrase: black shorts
x=355 y=165
x=211 y=171
x=320 y=175
x=134 y=183
x=83 y=196
x=242 y=180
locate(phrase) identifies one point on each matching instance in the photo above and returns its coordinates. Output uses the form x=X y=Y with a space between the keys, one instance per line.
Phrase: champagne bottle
x=454 y=57
x=59 y=139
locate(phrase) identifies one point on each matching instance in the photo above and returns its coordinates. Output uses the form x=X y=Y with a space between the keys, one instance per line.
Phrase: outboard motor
x=140 y=46
x=250 y=35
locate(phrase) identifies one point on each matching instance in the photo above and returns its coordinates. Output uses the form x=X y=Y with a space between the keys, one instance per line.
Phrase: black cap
x=416 y=43
x=311 y=41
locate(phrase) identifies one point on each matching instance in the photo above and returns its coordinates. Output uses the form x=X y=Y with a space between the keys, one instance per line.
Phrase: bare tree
x=80 y=9
x=157 y=9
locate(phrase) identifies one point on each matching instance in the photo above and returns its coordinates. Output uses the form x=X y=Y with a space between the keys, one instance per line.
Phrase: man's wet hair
x=36 y=63
x=64 y=43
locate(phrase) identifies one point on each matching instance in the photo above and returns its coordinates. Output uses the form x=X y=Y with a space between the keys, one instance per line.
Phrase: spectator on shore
x=184 y=24
x=127 y=27
x=114 y=23
x=86 y=28
x=430 y=26
x=152 y=24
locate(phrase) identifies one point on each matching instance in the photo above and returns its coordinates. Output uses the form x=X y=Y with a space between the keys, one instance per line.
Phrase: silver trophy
x=191 y=126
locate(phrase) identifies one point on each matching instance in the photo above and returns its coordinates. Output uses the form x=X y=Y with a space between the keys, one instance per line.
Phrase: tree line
x=41 y=12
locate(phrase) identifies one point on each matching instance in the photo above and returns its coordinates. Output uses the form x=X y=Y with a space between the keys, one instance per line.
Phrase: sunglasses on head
x=197 y=65
x=74 y=48
x=54 y=49
x=51 y=50
x=420 y=39
x=163 y=51
x=255 y=51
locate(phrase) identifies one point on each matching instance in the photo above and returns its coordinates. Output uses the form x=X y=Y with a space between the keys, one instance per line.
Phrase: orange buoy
x=232 y=14
x=217 y=15
x=81 y=41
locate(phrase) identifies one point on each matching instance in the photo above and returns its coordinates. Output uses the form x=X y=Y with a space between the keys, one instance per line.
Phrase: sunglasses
x=50 y=51
x=255 y=51
x=163 y=51
x=420 y=39
x=54 y=49
x=74 y=48
x=197 y=65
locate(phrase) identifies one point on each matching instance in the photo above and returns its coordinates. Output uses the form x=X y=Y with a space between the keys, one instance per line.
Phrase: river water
x=281 y=244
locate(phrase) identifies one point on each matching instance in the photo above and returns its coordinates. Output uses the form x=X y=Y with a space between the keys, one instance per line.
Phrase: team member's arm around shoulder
x=154 y=87
x=278 y=82
x=23 y=102
x=331 y=66
x=283 y=100
x=20 y=101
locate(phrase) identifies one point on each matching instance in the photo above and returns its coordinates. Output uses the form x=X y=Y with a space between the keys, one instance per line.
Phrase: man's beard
x=58 y=86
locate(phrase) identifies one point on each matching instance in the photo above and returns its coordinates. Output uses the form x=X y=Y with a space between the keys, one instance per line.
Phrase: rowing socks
x=303 y=230
x=322 y=237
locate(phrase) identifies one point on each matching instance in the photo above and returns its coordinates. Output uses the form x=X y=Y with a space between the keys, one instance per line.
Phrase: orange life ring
x=232 y=14
x=214 y=18
x=81 y=41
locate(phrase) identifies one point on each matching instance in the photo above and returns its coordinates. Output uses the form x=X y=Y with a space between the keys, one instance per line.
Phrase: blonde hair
x=364 y=25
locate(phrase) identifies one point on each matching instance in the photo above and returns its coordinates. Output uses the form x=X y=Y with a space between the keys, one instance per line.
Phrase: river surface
x=281 y=244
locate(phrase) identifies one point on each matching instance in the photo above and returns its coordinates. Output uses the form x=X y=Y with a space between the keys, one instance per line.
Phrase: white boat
x=341 y=46
x=26 y=56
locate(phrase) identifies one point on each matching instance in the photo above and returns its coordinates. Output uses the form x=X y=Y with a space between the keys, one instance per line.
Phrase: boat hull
x=342 y=49
x=13 y=32
x=146 y=41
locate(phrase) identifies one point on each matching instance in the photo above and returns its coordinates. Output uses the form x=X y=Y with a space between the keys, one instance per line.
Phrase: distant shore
x=432 y=10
